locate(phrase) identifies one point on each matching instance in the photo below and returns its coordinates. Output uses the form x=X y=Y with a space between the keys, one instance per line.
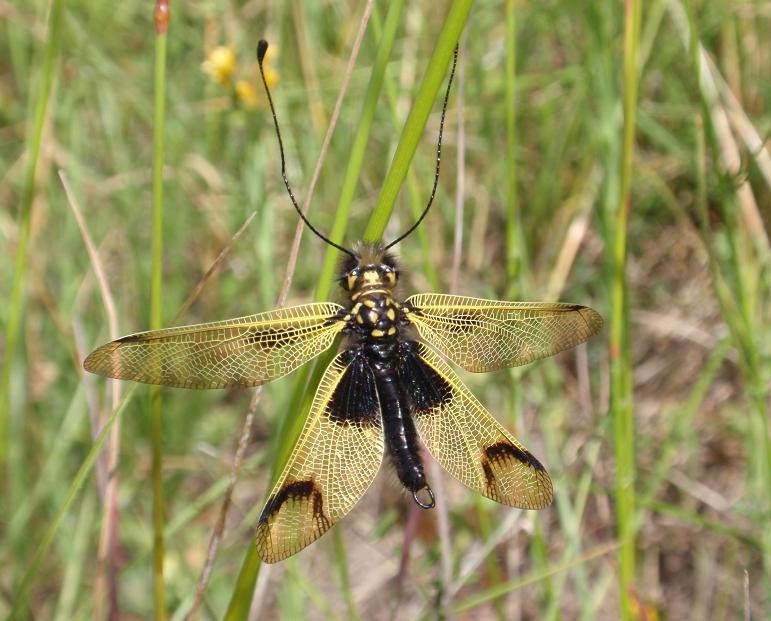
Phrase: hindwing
x=465 y=439
x=333 y=463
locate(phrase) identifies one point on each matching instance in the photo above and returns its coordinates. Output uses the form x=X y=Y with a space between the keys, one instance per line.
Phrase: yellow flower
x=247 y=94
x=220 y=65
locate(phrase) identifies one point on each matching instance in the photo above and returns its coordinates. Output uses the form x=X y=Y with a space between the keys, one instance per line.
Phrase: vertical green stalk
x=161 y=18
x=416 y=121
x=34 y=143
x=513 y=250
x=243 y=591
x=620 y=366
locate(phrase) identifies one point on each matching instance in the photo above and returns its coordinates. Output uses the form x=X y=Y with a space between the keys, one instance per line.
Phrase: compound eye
x=349 y=280
x=388 y=273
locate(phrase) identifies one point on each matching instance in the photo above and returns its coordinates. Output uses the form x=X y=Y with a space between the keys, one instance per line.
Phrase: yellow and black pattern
x=333 y=463
x=468 y=442
x=483 y=335
x=247 y=351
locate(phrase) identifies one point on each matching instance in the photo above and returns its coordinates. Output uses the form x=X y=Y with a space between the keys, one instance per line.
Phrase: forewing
x=465 y=439
x=247 y=351
x=333 y=463
x=484 y=335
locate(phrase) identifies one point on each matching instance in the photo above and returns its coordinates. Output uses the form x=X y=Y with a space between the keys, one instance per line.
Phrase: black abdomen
x=399 y=430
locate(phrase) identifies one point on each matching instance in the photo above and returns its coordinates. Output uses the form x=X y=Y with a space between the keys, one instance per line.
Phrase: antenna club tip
x=262 y=48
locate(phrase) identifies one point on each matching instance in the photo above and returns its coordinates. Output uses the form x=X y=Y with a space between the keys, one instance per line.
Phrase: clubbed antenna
x=262 y=48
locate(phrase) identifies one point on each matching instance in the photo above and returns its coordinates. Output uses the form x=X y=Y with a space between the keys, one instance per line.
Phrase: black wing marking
x=465 y=439
x=333 y=463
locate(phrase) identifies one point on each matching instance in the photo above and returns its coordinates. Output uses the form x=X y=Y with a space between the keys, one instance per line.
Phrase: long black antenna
x=262 y=48
x=438 y=154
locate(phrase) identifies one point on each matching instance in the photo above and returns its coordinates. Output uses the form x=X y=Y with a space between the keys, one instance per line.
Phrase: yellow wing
x=333 y=463
x=484 y=335
x=247 y=351
x=466 y=440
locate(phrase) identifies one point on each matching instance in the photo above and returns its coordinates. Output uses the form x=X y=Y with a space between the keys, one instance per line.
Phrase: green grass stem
x=342 y=570
x=33 y=146
x=513 y=224
x=622 y=410
x=417 y=201
x=161 y=16
x=77 y=559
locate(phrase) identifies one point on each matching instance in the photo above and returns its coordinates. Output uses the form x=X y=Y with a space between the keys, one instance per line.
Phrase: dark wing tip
x=499 y=459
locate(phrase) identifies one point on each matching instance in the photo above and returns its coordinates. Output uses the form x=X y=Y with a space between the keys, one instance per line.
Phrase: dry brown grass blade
x=575 y=234
x=710 y=81
x=746 y=593
x=205 y=278
x=477 y=555
x=107 y=554
x=219 y=526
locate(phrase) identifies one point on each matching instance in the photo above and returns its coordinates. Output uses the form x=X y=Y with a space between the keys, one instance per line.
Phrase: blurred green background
x=663 y=519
